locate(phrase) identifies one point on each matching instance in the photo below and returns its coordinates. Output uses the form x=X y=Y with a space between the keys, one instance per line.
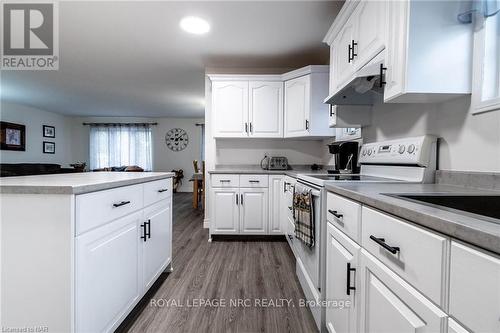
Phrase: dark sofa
x=27 y=169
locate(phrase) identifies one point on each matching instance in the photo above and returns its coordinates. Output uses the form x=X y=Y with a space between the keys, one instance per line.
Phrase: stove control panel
x=407 y=151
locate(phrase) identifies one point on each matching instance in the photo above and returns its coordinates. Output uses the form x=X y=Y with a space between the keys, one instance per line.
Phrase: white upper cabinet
x=271 y=106
x=428 y=62
x=369 y=19
x=305 y=113
x=342 y=67
x=230 y=108
x=297 y=106
x=422 y=63
x=266 y=109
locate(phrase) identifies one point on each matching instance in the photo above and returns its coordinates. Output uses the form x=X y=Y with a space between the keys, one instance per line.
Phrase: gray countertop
x=256 y=169
x=471 y=228
x=76 y=183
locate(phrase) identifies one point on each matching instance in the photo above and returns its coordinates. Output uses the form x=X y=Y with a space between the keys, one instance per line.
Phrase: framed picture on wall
x=49 y=131
x=12 y=136
x=49 y=147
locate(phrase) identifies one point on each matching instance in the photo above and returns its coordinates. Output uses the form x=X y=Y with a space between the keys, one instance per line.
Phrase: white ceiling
x=132 y=59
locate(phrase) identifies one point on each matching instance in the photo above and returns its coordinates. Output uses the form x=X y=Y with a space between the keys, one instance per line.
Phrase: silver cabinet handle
x=241 y=199
x=225 y=181
x=163 y=190
x=254 y=181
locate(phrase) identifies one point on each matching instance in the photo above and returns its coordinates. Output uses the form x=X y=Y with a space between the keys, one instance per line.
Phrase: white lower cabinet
x=225 y=210
x=107 y=274
x=475 y=288
x=342 y=282
x=389 y=304
x=156 y=245
x=253 y=210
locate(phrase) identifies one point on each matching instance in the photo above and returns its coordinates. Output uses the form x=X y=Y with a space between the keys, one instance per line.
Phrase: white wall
x=164 y=159
x=251 y=151
x=468 y=143
x=34 y=119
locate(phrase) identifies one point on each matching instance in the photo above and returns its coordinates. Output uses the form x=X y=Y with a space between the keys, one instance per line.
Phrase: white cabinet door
x=276 y=210
x=389 y=304
x=370 y=27
x=266 y=109
x=342 y=281
x=342 y=66
x=107 y=274
x=297 y=106
x=156 y=227
x=225 y=210
x=396 y=47
x=475 y=288
x=230 y=108
x=253 y=210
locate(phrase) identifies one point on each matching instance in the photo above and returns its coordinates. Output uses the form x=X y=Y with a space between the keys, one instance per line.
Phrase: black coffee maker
x=346 y=157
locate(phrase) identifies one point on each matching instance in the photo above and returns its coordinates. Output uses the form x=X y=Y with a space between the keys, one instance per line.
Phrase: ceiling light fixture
x=195 y=25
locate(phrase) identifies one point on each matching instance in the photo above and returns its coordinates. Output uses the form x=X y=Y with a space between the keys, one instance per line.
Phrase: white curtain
x=120 y=145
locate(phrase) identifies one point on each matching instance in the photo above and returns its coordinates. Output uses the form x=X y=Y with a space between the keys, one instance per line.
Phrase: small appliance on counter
x=274 y=163
x=346 y=157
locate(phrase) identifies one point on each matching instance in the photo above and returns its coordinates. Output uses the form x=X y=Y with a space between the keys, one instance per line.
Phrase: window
x=118 y=145
x=486 y=76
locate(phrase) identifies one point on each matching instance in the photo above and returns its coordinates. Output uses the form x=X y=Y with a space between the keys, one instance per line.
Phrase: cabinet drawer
x=157 y=190
x=344 y=214
x=390 y=304
x=254 y=181
x=97 y=208
x=419 y=255
x=225 y=180
x=475 y=288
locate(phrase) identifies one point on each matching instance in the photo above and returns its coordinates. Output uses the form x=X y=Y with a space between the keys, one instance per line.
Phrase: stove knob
x=369 y=152
x=401 y=149
x=364 y=152
x=411 y=148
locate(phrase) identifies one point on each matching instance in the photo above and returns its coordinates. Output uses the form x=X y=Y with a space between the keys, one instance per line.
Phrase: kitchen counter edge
x=81 y=189
x=466 y=228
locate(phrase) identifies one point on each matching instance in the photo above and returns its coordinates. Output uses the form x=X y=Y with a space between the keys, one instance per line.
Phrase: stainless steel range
x=411 y=160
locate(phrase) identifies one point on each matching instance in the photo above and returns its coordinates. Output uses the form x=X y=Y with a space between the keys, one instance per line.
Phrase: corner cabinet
x=305 y=113
x=270 y=106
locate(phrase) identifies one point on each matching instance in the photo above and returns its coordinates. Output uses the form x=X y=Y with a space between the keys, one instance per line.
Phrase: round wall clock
x=176 y=139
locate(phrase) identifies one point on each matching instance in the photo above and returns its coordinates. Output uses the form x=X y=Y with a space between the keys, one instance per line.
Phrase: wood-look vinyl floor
x=221 y=270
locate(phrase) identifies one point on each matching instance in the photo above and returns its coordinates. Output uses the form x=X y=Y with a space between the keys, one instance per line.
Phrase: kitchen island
x=78 y=251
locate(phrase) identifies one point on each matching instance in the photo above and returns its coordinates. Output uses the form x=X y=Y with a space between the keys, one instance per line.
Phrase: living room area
x=35 y=141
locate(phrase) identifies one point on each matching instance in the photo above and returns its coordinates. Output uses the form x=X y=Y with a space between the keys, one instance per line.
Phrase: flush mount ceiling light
x=195 y=25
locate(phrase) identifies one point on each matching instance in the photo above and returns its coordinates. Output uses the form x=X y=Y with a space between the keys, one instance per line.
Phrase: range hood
x=364 y=89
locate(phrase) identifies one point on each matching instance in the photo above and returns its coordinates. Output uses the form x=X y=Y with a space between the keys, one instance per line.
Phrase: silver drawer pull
x=225 y=181
x=123 y=203
x=254 y=181
x=163 y=190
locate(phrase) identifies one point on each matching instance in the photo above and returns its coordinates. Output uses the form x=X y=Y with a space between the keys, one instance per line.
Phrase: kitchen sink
x=485 y=205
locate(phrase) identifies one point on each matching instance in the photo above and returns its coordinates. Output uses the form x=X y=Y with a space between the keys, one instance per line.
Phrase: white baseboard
x=206 y=223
